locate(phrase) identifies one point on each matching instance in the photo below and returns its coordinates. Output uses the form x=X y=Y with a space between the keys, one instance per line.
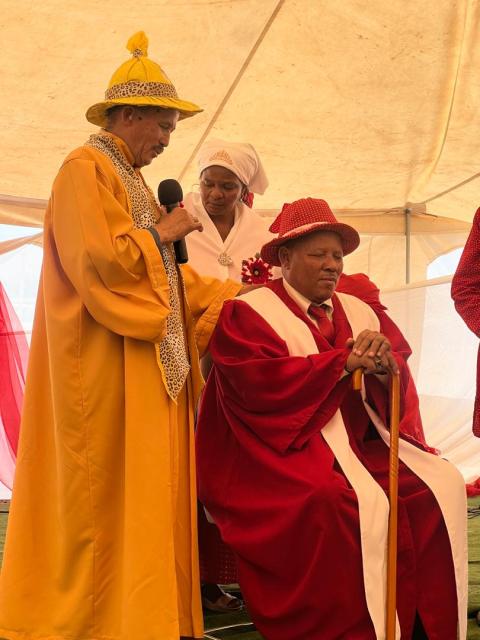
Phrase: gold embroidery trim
x=171 y=351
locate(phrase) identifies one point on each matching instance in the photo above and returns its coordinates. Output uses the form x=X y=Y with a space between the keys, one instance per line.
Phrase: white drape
x=444 y=368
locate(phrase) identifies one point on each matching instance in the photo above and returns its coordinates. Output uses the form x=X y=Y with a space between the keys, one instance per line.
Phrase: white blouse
x=209 y=255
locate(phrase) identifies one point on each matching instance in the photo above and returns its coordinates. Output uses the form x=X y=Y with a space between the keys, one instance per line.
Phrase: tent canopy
x=371 y=105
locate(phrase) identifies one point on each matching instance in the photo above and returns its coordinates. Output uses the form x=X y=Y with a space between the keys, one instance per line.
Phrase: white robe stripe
x=373 y=504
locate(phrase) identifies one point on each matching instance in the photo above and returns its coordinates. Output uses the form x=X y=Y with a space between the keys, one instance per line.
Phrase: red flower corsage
x=256 y=271
x=247 y=199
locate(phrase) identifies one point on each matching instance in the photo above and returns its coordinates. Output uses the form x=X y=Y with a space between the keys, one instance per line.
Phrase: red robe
x=284 y=505
x=466 y=295
x=217 y=562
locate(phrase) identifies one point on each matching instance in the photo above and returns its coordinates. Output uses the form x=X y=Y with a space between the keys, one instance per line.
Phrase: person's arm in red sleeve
x=466 y=281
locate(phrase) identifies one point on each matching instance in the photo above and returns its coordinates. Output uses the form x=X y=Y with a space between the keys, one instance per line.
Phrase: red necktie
x=324 y=324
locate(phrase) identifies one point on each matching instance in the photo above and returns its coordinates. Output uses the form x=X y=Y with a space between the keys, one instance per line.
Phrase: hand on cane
x=372 y=352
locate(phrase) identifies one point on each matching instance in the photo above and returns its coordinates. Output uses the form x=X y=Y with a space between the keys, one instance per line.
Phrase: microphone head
x=169 y=192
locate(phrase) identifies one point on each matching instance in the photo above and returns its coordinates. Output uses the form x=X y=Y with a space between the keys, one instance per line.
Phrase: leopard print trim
x=172 y=351
x=145 y=89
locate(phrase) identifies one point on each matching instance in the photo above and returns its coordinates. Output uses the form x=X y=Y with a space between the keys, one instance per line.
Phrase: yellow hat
x=140 y=82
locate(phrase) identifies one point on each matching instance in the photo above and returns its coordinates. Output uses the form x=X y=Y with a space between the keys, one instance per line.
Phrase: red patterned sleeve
x=466 y=281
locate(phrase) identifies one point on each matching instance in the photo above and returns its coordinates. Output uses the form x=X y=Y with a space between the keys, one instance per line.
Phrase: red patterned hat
x=303 y=217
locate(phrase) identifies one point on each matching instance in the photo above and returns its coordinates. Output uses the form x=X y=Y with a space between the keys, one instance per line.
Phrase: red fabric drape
x=13 y=363
x=473 y=488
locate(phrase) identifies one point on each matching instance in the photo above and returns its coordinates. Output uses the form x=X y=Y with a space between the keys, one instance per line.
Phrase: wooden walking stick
x=392 y=498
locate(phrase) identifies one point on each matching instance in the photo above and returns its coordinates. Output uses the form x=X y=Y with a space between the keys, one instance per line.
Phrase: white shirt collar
x=303 y=302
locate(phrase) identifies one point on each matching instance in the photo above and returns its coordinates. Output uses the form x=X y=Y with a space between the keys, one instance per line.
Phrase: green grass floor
x=214 y=621
x=474 y=570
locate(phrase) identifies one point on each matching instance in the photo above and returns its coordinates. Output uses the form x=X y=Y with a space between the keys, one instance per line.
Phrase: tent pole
x=407 y=244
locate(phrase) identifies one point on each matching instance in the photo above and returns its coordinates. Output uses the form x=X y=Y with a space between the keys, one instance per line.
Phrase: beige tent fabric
x=443 y=364
x=23 y=212
x=370 y=104
x=11 y=245
x=383 y=258
x=27 y=212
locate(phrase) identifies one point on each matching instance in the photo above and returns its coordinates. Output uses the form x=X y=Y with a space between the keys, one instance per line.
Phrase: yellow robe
x=101 y=542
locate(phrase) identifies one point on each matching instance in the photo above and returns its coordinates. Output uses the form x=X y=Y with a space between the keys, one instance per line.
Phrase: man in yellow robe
x=101 y=541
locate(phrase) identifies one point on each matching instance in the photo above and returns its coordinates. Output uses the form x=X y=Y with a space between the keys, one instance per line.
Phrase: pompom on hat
x=301 y=218
x=140 y=82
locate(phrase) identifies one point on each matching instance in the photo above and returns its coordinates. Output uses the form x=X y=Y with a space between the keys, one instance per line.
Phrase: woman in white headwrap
x=230 y=173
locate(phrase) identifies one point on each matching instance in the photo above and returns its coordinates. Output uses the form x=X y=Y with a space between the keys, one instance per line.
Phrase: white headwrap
x=239 y=157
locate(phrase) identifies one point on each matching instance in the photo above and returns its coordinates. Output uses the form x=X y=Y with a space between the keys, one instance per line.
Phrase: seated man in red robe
x=304 y=459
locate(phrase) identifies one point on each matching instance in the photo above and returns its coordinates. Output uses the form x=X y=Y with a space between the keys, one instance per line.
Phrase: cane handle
x=357 y=379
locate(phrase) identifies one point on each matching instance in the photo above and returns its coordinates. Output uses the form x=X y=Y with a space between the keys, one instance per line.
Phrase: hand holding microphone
x=178 y=222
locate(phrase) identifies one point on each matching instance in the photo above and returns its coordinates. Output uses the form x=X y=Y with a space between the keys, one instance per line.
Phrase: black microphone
x=170 y=195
